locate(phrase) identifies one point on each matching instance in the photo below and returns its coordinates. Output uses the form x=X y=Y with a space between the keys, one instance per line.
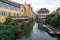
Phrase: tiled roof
x=58 y=9
x=11 y=3
x=43 y=10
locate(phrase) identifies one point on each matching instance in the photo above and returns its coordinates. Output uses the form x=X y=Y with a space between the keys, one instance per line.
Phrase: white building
x=42 y=13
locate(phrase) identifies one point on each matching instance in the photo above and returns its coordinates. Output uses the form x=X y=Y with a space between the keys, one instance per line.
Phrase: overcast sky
x=37 y=4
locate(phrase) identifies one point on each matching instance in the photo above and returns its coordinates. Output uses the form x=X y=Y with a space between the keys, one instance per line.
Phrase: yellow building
x=8 y=8
x=22 y=10
x=27 y=10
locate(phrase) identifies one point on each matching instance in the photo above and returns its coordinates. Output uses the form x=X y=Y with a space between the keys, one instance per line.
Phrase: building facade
x=27 y=11
x=42 y=13
x=8 y=8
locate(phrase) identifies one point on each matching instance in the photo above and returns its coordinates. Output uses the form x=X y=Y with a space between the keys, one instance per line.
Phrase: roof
x=43 y=10
x=11 y=3
x=58 y=9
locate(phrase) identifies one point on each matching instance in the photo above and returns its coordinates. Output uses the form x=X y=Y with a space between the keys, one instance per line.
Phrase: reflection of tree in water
x=40 y=27
x=28 y=29
x=58 y=37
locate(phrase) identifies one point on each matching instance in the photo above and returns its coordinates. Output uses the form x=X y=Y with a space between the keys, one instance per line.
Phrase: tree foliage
x=7 y=32
x=49 y=17
x=53 y=19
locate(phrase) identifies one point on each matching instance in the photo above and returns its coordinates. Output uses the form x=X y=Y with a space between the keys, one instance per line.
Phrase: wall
x=3 y=18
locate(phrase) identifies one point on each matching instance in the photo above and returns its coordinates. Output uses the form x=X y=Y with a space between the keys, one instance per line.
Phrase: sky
x=37 y=4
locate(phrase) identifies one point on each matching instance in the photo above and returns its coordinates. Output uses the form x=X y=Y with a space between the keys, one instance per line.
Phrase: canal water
x=36 y=32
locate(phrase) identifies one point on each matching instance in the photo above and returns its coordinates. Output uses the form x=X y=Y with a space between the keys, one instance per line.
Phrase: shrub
x=7 y=32
x=8 y=29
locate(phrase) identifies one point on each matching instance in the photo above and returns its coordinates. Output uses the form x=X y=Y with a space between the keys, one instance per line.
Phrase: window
x=3 y=5
x=22 y=10
x=14 y=14
x=2 y=13
x=5 y=13
x=17 y=14
x=9 y=13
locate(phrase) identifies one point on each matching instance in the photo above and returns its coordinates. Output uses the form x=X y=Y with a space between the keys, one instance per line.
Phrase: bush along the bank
x=8 y=29
x=53 y=19
x=7 y=32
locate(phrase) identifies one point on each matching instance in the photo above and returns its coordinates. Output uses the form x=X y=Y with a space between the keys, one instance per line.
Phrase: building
x=8 y=8
x=27 y=11
x=57 y=11
x=42 y=13
x=22 y=10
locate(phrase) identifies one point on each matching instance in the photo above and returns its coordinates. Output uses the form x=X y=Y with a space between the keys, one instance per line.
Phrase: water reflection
x=36 y=32
x=28 y=29
x=26 y=32
x=58 y=37
x=40 y=27
x=55 y=37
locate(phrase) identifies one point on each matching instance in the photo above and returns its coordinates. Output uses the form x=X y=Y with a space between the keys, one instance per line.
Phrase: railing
x=18 y=17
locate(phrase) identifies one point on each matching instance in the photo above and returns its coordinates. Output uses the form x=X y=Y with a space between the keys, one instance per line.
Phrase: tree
x=48 y=18
x=53 y=19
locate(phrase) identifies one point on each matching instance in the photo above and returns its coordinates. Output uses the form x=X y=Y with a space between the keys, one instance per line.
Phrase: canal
x=36 y=32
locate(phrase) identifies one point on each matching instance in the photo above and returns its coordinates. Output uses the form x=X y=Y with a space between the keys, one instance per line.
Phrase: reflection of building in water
x=28 y=29
x=42 y=13
x=40 y=27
